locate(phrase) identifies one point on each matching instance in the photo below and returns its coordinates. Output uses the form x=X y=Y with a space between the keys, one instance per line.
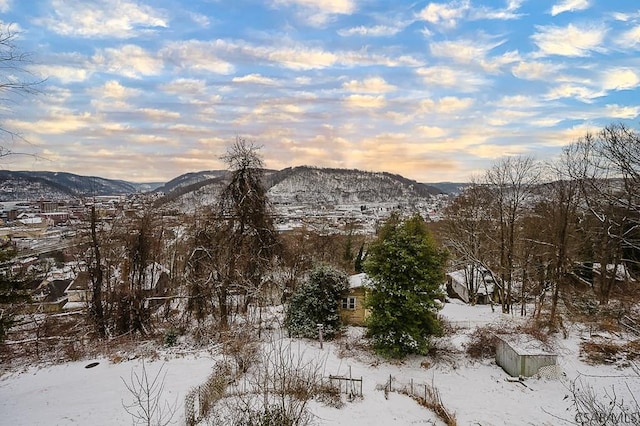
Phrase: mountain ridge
x=358 y=185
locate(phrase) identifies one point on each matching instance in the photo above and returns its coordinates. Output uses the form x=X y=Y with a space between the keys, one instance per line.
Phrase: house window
x=349 y=303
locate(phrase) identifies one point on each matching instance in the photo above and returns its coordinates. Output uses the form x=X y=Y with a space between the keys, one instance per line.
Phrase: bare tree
x=607 y=166
x=148 y=406
x=553 y=233
x=15 y=79
x=96 y=274
x=465 y=228
x=510 y=182
x=234 y=244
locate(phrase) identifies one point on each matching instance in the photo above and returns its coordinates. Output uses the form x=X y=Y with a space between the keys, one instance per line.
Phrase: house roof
x=56 y=289
x=481 y=282
x=622 y=273
x=359 y=280
x=81 y=282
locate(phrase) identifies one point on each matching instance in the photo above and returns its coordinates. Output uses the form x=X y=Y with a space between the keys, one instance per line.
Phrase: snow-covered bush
x=316 y=302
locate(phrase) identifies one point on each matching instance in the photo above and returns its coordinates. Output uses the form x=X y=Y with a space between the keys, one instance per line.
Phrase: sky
x=146 y=90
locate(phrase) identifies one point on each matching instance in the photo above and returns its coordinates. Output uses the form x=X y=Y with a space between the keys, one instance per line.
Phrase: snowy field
x=477 y=392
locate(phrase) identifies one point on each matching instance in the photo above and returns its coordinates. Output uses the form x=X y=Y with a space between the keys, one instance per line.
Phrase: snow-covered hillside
x=340 y=186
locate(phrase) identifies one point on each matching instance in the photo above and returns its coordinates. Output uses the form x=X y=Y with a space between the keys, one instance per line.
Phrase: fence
x=412 y=389
x=200 y=399
x=352 y=387
x=222 y=383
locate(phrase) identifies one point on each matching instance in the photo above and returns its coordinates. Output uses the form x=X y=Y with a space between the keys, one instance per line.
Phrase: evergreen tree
x=316 y=302
x=406 y=269
x=12 y=293
x=359 y=259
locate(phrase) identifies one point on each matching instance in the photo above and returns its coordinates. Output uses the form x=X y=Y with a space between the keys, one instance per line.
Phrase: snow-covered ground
x=476 y=391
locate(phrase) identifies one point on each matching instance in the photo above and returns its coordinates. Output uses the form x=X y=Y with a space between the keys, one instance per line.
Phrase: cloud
x=64 y=73
x=630 y=38
x=570 y=6
x=534 y=70
x=625 y=17
x=620 y=79
x=512 y=114
x=129 y=61
x=197 y=55
x=365 y=101
x=5 y=5
x=517 y=101
x=287 y=54
x=476 y=51
x=431 y=132
x=571 y=40
x=622 y=112
x=254 y=79
x=184 y=86
x=220 y=55
x=581 y=93
x=58 y=122
x=462 y=80
x=463 y=50
x=318 y=12
x=160 y=115
x=369 y=85
x=444 y=14
x=373 y=31
x=201 y=20
x=507 y=13
x=102 y=19
x=114 y=90
x=446 y=105
x=276 y=110
x=494 y=151
x=567 y=136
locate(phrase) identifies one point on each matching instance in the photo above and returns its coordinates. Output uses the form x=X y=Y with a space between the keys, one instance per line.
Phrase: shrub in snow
x=316 y=302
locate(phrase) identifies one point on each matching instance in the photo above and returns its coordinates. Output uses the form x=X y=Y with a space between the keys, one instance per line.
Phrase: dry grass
x=483 y=342
x=433 y=401
x=606 y=352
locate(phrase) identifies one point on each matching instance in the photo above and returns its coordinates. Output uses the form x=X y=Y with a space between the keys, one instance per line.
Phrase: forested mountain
x=313 y=186
x=21 y=185
x=304 y=184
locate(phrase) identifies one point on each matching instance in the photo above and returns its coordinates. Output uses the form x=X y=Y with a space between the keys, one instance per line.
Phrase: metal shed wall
x=517 y=364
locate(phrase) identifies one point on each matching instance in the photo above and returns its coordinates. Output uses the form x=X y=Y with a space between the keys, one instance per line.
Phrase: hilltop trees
x=406 y=269
x=536 y=235
x=124 y=271
x=606 y=166
x=485 y=226
x=510 y=183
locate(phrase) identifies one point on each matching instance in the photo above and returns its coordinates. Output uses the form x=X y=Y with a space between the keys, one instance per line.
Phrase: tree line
x=536 y=228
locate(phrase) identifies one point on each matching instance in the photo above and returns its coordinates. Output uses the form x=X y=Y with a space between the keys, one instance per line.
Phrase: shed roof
x=523 y=344
x=360 y=280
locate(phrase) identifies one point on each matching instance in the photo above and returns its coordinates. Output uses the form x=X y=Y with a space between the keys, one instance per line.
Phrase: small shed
x=522 y=355
x=351 y=305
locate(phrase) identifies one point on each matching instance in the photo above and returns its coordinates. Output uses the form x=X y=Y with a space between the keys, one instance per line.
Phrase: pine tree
x=13 y=292
x=406 y=269
x=359 y=259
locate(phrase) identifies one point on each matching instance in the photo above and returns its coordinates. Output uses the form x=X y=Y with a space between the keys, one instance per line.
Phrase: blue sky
x=145 y=90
